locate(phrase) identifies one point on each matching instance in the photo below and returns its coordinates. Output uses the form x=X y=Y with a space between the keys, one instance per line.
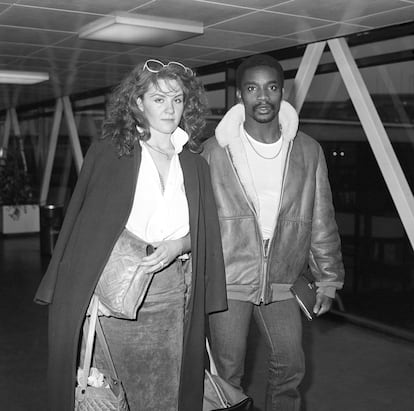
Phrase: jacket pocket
x=289 y=254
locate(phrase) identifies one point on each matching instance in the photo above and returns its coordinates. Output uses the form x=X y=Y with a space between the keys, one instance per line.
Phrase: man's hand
x=323 y=304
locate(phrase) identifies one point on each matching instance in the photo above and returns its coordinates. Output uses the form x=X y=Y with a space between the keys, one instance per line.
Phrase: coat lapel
x=192 y=191
x=137 y=163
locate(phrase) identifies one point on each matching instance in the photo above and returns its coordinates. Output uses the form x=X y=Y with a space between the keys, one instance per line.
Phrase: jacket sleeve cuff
x=329 y=291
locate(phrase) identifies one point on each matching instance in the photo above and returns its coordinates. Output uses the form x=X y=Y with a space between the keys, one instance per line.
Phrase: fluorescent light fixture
x=22 y=77
x=140 y=29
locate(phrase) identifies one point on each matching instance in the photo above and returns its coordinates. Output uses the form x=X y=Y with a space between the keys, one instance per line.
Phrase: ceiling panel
x=29 y=35
x=45 y=19
x=70 y=55
x=13 y=49
x=38 y=64
x=225 y=55
x=270 y=23
x=275 y=43
x=326 y=32
x=3 y=7
x=208 y=12
x=389 y=18
x=251 y=4
x=86 y=6
x=225 y=39
x=75 y=42
x=338 y=10
x=43 y=35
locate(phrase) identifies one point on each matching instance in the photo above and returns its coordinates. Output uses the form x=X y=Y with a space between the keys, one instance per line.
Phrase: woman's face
x=163 y=106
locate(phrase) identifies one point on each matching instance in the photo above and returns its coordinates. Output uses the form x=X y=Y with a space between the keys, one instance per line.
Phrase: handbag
x=111 y=395
x=304 y=290
x=123 y=283
x=219 y=394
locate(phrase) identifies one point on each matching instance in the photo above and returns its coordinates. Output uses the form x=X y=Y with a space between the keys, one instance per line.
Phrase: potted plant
x=19 y=211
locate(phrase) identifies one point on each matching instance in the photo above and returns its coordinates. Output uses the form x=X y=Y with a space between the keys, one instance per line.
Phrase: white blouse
x=158 y=216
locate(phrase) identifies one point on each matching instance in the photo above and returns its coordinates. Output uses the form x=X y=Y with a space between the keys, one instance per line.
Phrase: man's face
x=261 y=93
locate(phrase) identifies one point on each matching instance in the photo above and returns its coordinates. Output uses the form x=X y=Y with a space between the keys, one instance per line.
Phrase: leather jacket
x=305 y=235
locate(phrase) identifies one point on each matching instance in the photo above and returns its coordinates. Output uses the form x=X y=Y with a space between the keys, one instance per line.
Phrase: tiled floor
x=350 y=368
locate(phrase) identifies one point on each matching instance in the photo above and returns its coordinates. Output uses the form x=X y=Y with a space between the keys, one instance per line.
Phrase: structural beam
x=305 y=74
x=377 y=136
x=15 y=122
x=6 y=134
x=73 y=133
x=63 y=106
x=47 y=173
x=18 y=135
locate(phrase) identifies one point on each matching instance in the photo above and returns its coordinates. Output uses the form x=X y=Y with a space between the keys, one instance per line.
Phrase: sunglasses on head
x=155 y=66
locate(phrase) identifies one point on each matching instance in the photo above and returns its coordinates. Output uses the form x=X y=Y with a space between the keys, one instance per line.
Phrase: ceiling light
x=22 y=77
x=140 y=29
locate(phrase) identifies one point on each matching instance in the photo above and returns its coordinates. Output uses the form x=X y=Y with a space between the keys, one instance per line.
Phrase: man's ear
x=238 y=96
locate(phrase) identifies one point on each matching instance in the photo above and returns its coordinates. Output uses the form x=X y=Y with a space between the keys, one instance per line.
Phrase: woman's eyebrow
x=166 y=94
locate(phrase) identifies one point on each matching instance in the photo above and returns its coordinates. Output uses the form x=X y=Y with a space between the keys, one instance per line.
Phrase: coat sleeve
x=216 y=295
x=325 y=253
x=45 y=291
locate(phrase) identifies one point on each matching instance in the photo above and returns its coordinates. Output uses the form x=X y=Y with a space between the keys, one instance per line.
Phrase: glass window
x=378 y=256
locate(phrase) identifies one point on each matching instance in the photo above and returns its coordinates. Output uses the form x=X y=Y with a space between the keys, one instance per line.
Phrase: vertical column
x=18 y=136
x=73 y=133
x=57 y=118
x=6 y=134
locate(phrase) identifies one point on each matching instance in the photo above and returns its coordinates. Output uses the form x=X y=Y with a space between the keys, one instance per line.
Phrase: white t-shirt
x=267 y=178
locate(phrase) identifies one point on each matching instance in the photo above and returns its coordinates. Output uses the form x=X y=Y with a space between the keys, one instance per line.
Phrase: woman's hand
x=165 y=253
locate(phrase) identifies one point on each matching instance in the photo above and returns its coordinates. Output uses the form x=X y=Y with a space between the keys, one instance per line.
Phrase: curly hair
x=125 y=123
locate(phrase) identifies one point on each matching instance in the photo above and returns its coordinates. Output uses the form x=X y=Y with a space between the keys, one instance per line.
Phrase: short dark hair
x=256 y=61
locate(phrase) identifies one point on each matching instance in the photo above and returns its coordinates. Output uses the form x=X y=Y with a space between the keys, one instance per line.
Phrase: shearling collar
x=228 y=128
x=228 y=136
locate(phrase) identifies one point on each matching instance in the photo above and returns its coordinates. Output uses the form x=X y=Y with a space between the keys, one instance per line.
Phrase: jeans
x=280 y=324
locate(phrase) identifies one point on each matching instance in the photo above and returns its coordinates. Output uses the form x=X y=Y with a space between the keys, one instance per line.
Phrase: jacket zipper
x=265 y=248
x=263 y=265
x=285 y=167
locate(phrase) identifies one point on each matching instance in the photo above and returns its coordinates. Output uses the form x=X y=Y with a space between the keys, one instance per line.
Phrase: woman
x=140 y=178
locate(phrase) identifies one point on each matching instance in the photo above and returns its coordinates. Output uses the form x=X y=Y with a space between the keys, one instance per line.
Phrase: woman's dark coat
x=97 y=213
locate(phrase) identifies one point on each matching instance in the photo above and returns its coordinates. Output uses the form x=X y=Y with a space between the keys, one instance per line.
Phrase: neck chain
x=158 y=150
x=261 y=155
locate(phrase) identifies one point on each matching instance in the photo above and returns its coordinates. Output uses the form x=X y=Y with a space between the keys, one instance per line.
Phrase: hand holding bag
x=219 y=394
x=111 y=395
x=123 y=283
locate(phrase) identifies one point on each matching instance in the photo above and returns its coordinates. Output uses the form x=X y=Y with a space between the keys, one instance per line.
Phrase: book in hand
x=304 y=290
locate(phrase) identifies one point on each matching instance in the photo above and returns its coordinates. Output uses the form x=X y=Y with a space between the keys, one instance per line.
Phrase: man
x=277 y=221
